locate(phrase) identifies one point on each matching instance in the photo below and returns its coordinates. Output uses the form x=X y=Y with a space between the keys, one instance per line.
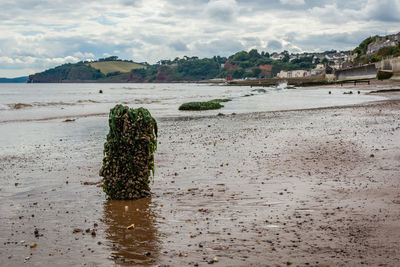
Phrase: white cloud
x=62 y=60
x=5 y=59
x=39 y=34
x=84 y=55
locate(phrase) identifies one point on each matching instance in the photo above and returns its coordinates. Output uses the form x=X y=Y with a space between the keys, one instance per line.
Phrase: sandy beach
x=316 y=187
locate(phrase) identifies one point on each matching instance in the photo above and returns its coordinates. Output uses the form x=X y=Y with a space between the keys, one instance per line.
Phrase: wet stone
x=36 y=233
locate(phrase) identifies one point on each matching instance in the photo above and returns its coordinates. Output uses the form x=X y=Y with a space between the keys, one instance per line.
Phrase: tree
x=237 y=74
x=239 y=56
x=286 y=56
x=254 y=54
x=256 y=72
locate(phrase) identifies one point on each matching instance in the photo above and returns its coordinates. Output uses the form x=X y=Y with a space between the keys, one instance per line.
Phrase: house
x=282 y=74
x=381 y=42
x=318 y=57
x=293 y=57
x=329 y=57
x=276 y=56
x=293 y=74
x=329 y=70
x=298 y=73
x=319 y=69
x=346 y=65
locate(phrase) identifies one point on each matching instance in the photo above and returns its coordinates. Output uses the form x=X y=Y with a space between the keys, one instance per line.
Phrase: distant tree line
x=113 y=58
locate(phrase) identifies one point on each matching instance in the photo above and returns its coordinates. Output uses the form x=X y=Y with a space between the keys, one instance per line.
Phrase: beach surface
x=318 y=187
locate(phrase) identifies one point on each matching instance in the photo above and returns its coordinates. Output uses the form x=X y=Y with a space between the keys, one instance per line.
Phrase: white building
x=320 y=68
x=277 y=56
x=293 y=74
x=282 y=74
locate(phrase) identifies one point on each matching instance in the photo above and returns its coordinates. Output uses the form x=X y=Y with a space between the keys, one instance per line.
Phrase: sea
x=55 y=101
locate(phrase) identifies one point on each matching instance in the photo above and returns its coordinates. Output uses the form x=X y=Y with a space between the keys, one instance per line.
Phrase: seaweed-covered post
x=129 y=153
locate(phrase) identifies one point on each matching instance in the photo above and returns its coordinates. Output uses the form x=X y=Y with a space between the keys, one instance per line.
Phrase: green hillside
x=67 y=72
x=107 y=67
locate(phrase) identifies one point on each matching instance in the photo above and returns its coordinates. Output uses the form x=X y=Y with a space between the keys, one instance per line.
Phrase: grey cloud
x=384 y=10
x=222 y=47
x=341 y=12
x=262 y=5
x=274 y=45
x=131 y=2
x=338 y=41
x=292 y=2
x=253 y=42
x=178 y=46
x=153 y=39
x=221 y=10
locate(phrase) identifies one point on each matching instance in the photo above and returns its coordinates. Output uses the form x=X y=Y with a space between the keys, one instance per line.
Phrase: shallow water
x=19 y=102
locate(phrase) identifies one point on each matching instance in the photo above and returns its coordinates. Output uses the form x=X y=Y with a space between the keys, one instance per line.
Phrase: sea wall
x=392 y=64
x=362 y=72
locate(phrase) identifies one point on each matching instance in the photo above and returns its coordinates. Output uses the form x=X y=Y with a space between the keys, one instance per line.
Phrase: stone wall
x=392 y=64
x=361 y=72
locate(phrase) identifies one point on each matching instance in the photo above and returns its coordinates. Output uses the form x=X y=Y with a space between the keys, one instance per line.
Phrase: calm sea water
x=24 y=102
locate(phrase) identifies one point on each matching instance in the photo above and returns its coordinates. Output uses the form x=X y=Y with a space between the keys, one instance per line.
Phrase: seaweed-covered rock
x=129 y=153
x=212 y=104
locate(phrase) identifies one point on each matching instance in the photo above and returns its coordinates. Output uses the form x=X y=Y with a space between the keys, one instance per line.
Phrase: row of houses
x=318 y=70
x=381 y=42
x=317 y=57
x=266 y=70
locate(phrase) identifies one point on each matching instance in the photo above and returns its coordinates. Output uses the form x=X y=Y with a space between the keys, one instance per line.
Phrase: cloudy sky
x=38 y=34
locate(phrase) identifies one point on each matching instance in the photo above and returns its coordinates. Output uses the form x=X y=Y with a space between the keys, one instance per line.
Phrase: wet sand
x=314 y=187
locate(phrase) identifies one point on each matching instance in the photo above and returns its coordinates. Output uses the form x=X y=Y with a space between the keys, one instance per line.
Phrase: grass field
x=114 y=66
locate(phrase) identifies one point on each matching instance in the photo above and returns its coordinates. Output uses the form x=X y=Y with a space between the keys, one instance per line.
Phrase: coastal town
x=337 y=65
x=375 y=56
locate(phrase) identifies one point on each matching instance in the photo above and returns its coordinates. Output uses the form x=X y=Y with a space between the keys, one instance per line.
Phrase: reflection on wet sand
x=138 y=244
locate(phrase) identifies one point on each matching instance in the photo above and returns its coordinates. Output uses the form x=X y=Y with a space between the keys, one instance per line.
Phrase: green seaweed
x=384 y=75
x=208 y=105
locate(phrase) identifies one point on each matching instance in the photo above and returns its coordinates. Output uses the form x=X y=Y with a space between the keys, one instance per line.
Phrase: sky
x=39 y=34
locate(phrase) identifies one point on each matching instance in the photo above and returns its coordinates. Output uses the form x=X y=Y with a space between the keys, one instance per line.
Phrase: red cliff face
x=265 y=69
x=162 y=75
x=229 y=66
x=44 y=79
x=135 y=78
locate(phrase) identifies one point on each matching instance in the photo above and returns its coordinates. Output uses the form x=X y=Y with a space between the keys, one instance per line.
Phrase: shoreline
x=175 y=118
